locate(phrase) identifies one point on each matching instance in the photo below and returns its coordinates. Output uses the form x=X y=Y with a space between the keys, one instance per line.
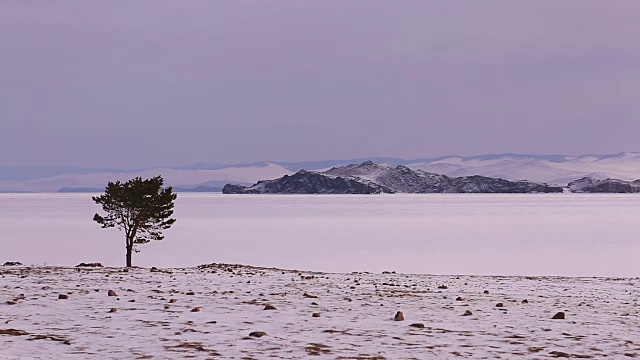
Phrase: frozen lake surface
x=560 y=234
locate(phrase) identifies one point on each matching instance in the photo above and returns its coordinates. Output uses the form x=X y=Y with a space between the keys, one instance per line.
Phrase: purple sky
x=162 y=82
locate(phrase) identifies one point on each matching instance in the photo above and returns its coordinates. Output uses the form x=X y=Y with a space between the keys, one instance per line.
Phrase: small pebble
x=399 y=316
x=558 y=316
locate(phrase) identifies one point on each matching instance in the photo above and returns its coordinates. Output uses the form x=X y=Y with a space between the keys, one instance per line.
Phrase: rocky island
x=371 y=178
x=591 y=185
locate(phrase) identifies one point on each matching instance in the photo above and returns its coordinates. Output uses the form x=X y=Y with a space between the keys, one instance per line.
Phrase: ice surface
x=532 y=234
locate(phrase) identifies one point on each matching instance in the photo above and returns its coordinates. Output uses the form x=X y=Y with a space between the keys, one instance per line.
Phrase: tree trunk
x=129 y=251
x=130 y=240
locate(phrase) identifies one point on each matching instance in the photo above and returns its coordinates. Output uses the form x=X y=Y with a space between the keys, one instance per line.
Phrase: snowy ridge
x=172 y=177
x=550 y=169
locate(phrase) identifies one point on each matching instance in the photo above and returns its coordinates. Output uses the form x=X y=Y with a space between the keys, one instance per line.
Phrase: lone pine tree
x=140 y=208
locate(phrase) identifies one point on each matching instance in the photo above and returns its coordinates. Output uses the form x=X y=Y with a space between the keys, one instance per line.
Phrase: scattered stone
x=499 y=305
x=467 y=313
x=154 y=269
x=560 y=354
x=315 y=315
x=171 y=301
x=442 y=287
x=12 y=263
x=62 y=296
x=13 y=332
x=10 y=302
x=270 y=307
x=257 y=334
x=486 y=292
x=459 y=298
x=111 y=293
x=525 y=301
x=317 y=349
x=89 y=265
x=195 y=309
x=417 y=325
x=399 y=316
x=113 y=310
x=314 y=303
x=190 y=293
x=309 y=296
x=558 y=316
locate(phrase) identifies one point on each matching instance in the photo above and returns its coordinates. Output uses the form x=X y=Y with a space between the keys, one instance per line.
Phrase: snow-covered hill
x=173 y=177
x=558 y=169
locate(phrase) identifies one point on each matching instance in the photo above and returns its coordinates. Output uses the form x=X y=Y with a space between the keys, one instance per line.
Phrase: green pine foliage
x=140 y=208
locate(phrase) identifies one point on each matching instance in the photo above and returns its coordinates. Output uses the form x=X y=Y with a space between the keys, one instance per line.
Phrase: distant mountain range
x=551 y=169
x=371 y=178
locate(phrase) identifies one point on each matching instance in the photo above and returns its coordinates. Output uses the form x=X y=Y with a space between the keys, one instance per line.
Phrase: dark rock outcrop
x=591 y=185
x=371 y=178
x=89 y=265
x=308 y=182
x=12 y=263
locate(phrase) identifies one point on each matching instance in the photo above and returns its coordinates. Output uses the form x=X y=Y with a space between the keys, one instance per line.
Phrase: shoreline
x=268 y=268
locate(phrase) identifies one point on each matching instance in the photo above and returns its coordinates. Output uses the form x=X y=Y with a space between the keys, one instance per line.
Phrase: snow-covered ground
x=152 y=315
